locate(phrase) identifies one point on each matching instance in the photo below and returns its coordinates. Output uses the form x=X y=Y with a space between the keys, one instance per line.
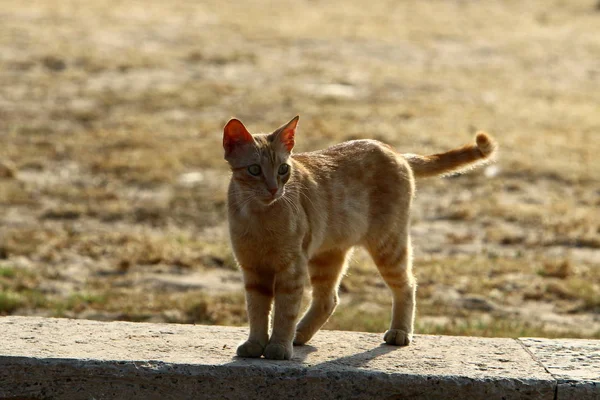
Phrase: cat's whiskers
x=290 y=202
x=246 y=196
x=300 y=189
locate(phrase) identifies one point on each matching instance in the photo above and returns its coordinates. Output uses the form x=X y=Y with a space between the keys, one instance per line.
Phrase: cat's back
x=356 y=187
x=352 y=148
x=354 y=156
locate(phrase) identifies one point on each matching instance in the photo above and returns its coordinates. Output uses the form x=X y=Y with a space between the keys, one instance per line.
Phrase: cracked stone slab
x=79 y=359
x=574 y=363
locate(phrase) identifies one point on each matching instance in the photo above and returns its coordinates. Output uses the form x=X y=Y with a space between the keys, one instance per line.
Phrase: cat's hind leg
x=394 y=260
x=325 y=273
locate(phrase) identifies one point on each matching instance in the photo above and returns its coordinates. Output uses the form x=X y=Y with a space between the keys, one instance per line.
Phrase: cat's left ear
x=284 y=136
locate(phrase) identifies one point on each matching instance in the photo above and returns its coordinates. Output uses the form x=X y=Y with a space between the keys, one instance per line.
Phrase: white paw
x=397 y=337
x=250 y=350
x=299 y=339
x=276 y=351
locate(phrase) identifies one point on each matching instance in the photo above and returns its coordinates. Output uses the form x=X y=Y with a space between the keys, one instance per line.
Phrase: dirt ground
x=113 y=186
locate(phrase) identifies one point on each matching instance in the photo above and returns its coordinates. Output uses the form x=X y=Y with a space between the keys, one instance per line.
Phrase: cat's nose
x=273 y=191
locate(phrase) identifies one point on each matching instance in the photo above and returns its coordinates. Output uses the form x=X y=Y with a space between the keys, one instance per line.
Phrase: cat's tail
x=454 y=161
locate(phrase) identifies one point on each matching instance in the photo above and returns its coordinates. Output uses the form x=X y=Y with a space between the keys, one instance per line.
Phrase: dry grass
x=112 y=184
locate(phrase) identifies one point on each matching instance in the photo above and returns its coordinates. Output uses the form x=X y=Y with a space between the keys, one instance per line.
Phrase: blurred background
x=113 y=186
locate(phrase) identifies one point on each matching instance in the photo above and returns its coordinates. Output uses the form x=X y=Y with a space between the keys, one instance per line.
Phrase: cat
x=298 y=216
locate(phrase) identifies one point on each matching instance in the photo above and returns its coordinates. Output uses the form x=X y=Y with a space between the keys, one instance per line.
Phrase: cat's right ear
x=235 y=134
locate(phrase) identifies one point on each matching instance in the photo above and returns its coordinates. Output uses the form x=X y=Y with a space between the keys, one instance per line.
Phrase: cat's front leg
x=289 y=286
x=259 y=297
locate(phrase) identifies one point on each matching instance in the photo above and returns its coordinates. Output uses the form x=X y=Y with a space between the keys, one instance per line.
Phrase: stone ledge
x=79 y=359
x=574 y=363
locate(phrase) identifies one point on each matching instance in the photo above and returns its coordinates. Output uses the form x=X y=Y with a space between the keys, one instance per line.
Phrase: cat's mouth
x=270 y=199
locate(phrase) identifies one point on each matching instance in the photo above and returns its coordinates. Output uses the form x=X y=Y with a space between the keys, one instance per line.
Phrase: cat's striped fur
x=291 y=223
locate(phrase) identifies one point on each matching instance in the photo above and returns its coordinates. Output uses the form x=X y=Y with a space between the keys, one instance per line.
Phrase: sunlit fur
x=354 y=193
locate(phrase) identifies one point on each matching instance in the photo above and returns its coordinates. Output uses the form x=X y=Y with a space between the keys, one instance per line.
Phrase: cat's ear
x=234 y=135
x=284 y=136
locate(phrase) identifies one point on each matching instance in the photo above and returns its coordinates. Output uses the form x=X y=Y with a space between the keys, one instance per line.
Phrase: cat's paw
x=250 y=350
x=299 y=339
x=276 y=351
x=397 y=337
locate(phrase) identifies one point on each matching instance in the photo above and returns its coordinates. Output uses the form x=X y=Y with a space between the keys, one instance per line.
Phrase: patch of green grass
x=377 y=320
x=85 y=299
x=587 y=291
x=512 y=328
x=35 y=299
x=7 y=272
x=352 y=318
x=78 y=302
x=17 y=289
x=226 y=309
x=10 y=301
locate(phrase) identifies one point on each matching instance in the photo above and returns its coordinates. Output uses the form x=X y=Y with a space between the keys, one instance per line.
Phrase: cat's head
x=260 y=162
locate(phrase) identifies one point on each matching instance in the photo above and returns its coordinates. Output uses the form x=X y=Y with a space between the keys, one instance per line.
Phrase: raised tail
x=456 y=160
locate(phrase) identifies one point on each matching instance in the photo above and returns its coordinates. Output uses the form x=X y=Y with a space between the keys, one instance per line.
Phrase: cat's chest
x=260 y=249
x=266 y=234
x=277 y=222
x=265 y=242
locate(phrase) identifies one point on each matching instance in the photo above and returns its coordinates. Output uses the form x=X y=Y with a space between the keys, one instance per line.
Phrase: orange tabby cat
x=297 y=216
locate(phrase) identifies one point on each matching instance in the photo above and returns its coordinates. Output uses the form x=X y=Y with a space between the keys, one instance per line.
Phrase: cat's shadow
x=358 y=359
x=301 y=353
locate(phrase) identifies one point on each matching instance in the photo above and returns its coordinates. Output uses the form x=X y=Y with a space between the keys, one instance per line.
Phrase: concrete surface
x=79 y=359
x=574 y=363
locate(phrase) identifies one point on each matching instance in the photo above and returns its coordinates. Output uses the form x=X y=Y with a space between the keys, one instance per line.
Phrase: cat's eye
x=283 y=169
x=254 y=170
